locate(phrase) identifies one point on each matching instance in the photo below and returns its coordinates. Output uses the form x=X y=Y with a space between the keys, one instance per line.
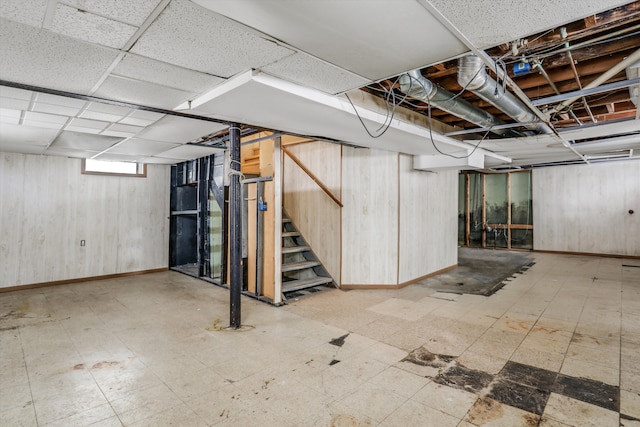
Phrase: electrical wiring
x=433 y=142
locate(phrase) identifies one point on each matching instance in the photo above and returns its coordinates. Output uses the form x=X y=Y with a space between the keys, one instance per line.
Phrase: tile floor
x=558 y=346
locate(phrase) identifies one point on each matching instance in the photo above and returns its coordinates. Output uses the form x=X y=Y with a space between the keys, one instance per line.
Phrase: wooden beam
x=590 y=21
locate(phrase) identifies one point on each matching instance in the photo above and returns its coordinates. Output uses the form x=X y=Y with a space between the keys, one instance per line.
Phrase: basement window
x=102 y=167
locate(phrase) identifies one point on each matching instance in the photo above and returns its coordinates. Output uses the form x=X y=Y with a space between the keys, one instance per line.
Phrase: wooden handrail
x=311 y=175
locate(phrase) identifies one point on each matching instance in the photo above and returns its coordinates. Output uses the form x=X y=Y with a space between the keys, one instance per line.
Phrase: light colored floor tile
x=401 y=308
x=446 y=399
x=630 y=403
x=142 y=343
x=630 y=381
x=582 y=369
x=54 y=408
x=538 y=358
x=576 y=413
x=490 y=364
x=14 y=397
x=490 y=413
x=399 y=381
x=376 y=401
x=85 y=418
x=414 y=414
x=19 y=417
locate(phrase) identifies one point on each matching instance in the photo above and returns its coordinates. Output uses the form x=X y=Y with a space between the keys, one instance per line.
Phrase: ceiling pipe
x=415 y=85
x=473 y=76
x=538 y=65
x=620 y=66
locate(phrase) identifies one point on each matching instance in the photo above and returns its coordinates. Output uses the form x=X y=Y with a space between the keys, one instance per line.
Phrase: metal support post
x=235 y=228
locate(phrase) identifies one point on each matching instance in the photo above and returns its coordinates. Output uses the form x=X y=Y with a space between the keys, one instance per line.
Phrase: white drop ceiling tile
x=147 y=69
x=44 y=117
x=133 y=12
x=10 y=119
x=47 y=125
x=53 y=60
x=8 y=112
x=141 y=147
x=84 y=141
x=142 y=93
x=90 y=124
x=180 y=129
x=118 y=129
x=29 y=12
x=193 y=37
x=91 y=28
x=306 y=70
x=189 y=152
x=15 y=93
x=16 y=104
x=110 y=157
x=63 y=101
x=487 y=23
x=55 y=109
x=70 y=152
x=104 y=112
x=141 y=118
x=373 y=39
x=27 y=135
x=18 y=147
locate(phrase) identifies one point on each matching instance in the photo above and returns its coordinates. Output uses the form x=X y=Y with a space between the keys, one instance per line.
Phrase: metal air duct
x=472 y=75
x=415 y=85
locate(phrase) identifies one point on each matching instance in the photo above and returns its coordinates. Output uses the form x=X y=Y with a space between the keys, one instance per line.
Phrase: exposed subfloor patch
x=480 y=271
x=517 y=385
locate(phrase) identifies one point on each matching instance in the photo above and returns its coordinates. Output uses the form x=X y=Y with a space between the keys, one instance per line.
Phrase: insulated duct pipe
x=415 y=85
x=472 y=75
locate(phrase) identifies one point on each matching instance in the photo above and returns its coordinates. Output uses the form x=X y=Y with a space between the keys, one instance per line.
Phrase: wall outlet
x=82 y=242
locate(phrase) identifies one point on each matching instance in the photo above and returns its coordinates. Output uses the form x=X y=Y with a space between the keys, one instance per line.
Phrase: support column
x=235 y=228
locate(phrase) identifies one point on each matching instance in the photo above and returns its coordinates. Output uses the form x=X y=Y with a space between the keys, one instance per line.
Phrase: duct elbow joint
x=472 y=74
x=416 y=86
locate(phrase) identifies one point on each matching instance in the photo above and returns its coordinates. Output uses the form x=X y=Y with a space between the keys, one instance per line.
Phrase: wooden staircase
x=301 y=269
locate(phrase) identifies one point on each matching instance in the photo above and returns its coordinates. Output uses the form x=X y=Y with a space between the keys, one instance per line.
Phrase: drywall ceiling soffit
x=188 y=152
x=141 y=147
x=142 y=92
x=486 y=23
x=263 y=100
x=308 y=71
x=180 y=130
x=39 y=57
x=190 y=36
x=371 y=39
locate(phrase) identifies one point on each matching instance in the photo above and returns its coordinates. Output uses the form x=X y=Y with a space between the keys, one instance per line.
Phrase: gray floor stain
x=480 y=271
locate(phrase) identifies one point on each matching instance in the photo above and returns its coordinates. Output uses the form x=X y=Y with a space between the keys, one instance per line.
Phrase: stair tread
x=299 y=265
x=286 y=219
x=290 y=233
x=296 y=285
x=294 y=249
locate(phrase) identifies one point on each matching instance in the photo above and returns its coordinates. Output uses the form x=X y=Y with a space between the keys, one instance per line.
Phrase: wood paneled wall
x=584 y=208
x=314 y=213
x=47 y=206
x=369 y=217
x=428 y=221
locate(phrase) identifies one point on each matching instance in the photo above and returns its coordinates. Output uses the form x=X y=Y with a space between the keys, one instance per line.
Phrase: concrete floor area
x=558 y=346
